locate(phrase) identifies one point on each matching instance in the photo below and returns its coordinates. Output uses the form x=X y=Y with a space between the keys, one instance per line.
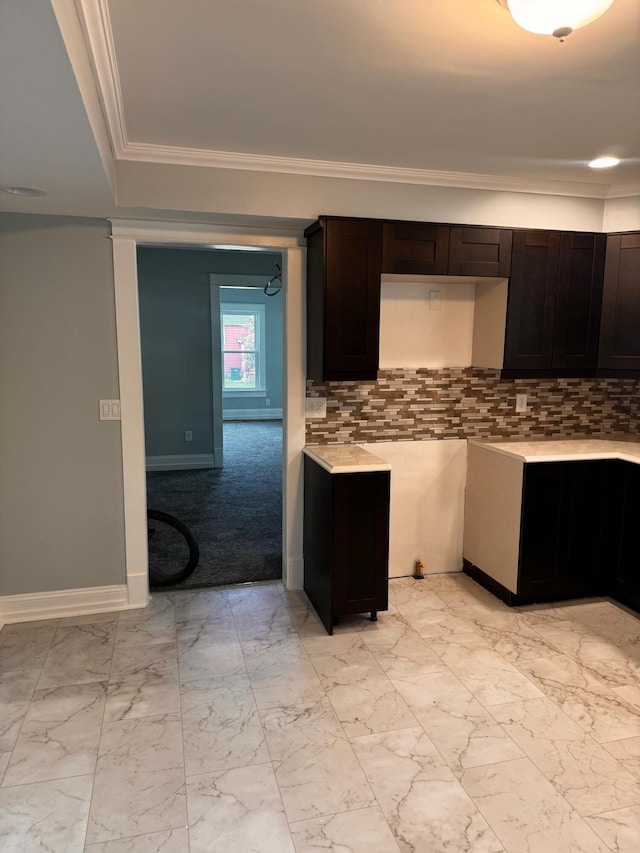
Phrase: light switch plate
x=109 y=410
x=315 y=408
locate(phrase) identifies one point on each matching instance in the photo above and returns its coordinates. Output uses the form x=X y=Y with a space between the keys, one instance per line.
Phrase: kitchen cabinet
x=620 y=328
x=561 y=535
x=415 y=248
x=623 y=512
x=544 y=529
x=480 y=251
x=554 y=305
x=343 y=298
x=420 y=248
x=558 y=322
x=346 y=541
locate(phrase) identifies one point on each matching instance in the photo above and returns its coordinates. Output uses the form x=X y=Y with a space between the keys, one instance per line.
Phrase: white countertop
x=565 y=450
x=345 y=458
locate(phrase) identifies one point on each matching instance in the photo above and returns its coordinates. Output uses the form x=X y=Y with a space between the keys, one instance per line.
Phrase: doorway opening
x=213 y=390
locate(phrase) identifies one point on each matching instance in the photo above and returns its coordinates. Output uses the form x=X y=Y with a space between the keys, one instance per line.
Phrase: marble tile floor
x=227 y=720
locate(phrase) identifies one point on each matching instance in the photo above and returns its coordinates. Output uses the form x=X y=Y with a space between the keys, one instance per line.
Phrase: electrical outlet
x=267 y=401
x=188 y=435
x=521 y=402
x=315 y=408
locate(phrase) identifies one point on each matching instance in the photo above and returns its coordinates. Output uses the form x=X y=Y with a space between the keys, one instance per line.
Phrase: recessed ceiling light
x=31 y=192
x=604 y=162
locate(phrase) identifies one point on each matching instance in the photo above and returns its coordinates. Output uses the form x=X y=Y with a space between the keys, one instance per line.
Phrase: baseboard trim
x=295 y=574
x=64 y=602
x=252 y=415
x=490 y=584
x=180 y=462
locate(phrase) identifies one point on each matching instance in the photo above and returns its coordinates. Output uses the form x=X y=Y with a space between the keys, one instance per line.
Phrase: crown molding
x=137 y=152
x=94 y=15
x=623 y=191
x=73 y=34
x=96 y=22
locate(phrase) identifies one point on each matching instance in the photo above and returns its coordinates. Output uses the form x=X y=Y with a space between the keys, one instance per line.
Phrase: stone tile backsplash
x=635 y=409
x=419 y=404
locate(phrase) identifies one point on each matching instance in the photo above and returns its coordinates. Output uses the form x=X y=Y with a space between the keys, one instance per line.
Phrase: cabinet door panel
x=620 y=328
x=352 y=299
x=542 y=569
x=318 y=540
x=361 y=544
x=415 y=248
x=577 y=326
x=532 y=300
x=627 y=583
x=480 y=251
x=585 y=490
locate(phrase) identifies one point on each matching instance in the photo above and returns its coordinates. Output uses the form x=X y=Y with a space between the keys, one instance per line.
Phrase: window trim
x=258 y=310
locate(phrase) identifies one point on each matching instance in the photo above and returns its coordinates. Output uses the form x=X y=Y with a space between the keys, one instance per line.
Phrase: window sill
x=228 y=392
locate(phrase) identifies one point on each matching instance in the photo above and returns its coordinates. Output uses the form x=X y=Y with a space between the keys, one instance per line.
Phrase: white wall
x=232 y=192
x=622 y=214
x=426 y=324
x=442 y=321
x=427 y=503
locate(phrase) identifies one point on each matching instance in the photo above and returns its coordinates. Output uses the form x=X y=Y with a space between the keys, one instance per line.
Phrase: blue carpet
x=234 y=512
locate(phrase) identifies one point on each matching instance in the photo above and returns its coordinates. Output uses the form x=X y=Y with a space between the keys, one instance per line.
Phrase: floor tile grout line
x=104 y=711
x=570 y=808
x=488 y=708
x=184 y=761
x=29 y=704
x=339 y=723
x=264 y=733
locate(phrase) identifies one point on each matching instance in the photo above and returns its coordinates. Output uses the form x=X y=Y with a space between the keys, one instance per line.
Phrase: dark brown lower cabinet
x=346 y=542
x=623 y=514
x=561 y=529
x=579 y=532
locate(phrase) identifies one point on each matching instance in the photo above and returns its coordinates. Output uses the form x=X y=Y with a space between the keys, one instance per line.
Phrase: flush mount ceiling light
x=231 y=247
x=557 y=18
x=604 y=162
x=31 y=192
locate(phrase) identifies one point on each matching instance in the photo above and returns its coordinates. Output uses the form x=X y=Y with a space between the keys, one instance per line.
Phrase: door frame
x=126 y=235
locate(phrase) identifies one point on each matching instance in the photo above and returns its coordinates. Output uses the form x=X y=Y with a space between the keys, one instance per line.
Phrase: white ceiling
x=45 y=136
x=424 y=91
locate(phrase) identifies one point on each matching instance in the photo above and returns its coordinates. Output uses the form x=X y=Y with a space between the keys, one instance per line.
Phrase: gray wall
x=173 y=286
x=61 y=501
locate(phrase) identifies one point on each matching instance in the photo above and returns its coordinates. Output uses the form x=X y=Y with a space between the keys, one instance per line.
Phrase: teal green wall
x=173 y=286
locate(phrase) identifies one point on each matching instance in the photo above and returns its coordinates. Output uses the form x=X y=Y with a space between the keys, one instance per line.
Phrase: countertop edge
x=560 y=456
x=375 y=463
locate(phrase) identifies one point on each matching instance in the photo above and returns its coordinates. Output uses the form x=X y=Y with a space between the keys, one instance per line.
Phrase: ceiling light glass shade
x=604 y=162
x=556 y=17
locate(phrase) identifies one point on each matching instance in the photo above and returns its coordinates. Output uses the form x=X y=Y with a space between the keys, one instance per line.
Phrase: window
x=243 y=368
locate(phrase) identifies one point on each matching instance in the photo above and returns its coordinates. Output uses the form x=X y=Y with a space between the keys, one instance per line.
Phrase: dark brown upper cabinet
x=620 y=328
x=577 y=325
x=343 y=298
x=555 y=294
x=480 y=251
x=421 y=248
x=415 y=248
